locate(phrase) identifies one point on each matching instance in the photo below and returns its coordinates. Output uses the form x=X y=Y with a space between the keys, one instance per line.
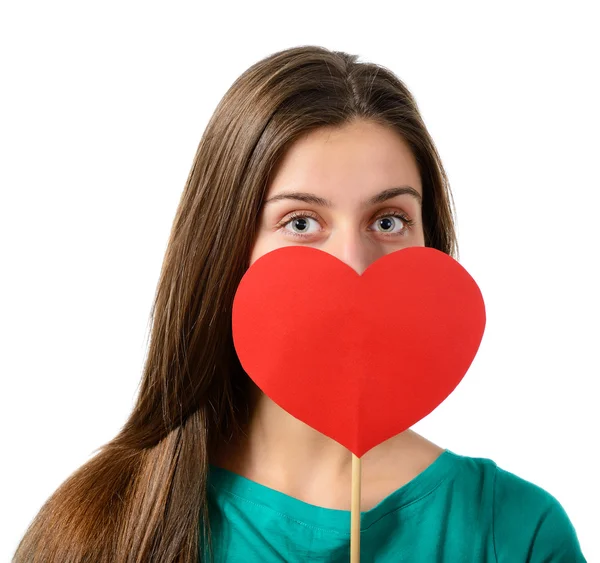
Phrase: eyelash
x=409 y=223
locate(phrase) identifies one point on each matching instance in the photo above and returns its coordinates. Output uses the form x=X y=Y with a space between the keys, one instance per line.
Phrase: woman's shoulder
x=527 y=518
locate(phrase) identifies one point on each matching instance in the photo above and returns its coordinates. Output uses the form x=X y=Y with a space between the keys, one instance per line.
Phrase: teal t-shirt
x=459 y=509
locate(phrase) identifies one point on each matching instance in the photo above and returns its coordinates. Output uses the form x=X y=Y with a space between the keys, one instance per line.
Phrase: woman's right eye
x=301 y=225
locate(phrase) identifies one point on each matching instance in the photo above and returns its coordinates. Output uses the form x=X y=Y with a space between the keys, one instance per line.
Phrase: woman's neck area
x=281 y=452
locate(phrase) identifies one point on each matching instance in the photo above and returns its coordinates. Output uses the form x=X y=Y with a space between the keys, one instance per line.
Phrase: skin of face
x=346 y=165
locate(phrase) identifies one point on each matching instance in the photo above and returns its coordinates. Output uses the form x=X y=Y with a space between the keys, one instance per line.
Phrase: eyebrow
x=380 y=197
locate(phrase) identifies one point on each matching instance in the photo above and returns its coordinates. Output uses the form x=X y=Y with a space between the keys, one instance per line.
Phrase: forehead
x=358 y=157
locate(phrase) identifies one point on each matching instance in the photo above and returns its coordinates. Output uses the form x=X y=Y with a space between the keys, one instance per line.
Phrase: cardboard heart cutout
x=358 y=358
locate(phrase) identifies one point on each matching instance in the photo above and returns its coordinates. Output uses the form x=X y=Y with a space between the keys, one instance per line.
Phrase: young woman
x=307 y=147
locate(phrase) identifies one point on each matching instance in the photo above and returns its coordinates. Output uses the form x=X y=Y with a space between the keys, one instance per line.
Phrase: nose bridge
x=349 y=246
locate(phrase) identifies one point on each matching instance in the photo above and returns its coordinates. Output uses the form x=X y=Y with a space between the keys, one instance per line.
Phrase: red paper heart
x=358 y=358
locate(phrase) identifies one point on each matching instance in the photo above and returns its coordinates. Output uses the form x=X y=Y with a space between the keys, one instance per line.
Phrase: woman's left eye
x=388 y=222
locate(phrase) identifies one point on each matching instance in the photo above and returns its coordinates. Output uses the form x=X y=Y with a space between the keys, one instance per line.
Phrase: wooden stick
x=355 y=514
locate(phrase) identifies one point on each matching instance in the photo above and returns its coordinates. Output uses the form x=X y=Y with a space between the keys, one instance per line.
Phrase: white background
x=102 y=107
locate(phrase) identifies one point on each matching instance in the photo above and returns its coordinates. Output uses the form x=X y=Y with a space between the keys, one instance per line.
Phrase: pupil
x=387 y=221
x=303 y=223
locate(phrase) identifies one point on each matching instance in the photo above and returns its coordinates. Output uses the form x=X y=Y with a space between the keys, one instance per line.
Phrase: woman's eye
x=392 y=224
x=300 y=225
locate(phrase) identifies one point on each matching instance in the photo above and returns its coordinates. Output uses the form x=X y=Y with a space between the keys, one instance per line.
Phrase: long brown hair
x=142 y=497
